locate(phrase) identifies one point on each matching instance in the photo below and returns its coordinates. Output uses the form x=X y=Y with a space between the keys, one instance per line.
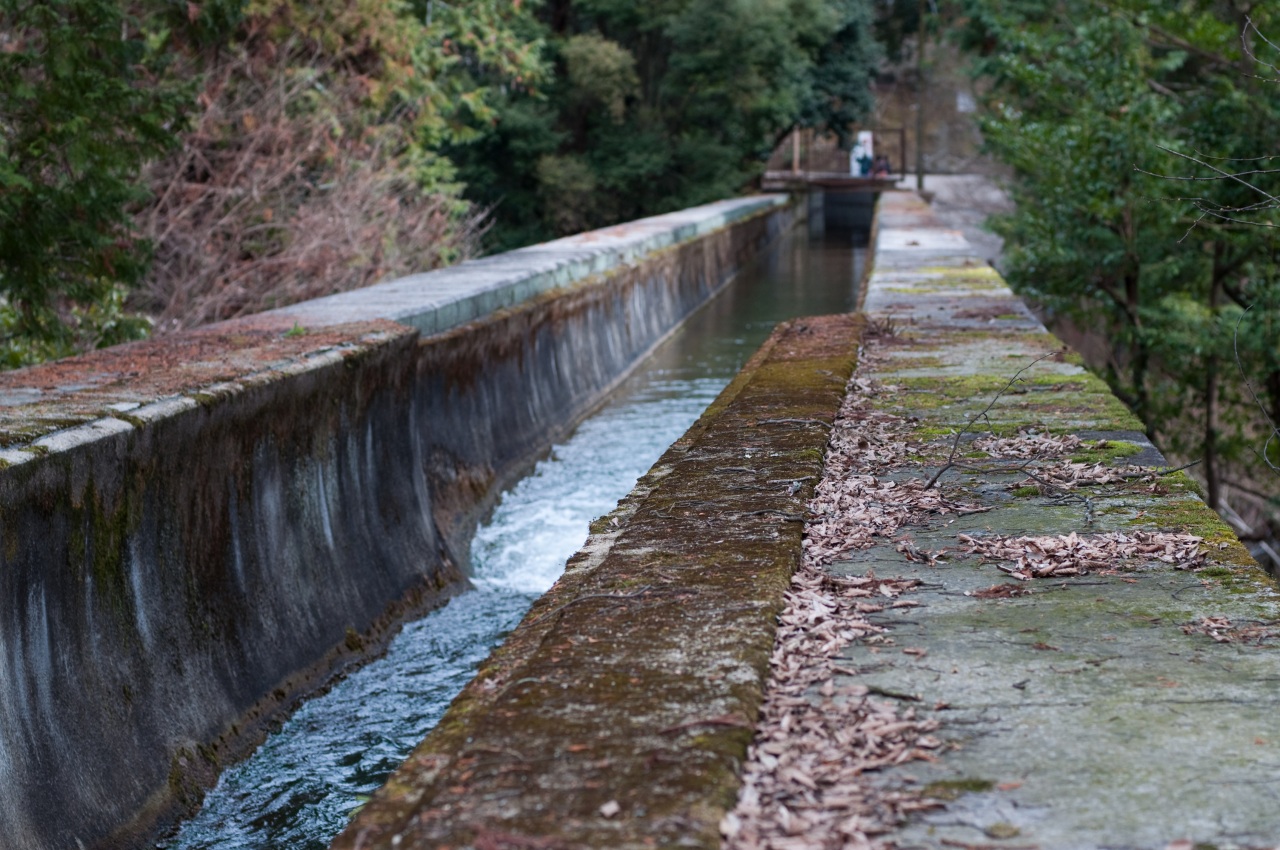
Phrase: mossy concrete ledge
x=619 y=711
x=197 y=531
x=1082 y=712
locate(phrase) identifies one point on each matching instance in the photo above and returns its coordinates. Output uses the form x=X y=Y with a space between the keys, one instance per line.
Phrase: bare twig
x=955 y=445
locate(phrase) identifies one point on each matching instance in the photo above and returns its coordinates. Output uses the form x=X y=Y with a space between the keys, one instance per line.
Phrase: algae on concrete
x=1090 y=712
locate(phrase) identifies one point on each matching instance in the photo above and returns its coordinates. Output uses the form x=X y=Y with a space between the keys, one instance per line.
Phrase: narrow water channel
x=298 y=790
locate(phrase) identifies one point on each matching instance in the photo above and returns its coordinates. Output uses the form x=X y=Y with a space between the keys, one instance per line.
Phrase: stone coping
x=436 y=301
x=55 y=406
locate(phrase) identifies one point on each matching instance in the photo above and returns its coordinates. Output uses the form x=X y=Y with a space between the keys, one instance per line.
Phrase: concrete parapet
x=443 y=299
x=1120 y=700
x=201 y=529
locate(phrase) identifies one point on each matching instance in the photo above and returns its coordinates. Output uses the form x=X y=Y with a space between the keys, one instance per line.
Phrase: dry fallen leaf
x=820 y=733
x=1074 y=554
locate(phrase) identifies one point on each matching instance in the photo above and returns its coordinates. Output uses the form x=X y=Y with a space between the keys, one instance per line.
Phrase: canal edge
x=620 y=710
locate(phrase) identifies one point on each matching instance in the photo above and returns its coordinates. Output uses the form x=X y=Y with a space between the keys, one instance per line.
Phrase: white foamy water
x=543 y=520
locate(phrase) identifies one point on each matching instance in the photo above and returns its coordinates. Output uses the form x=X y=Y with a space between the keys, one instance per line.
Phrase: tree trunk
x=1212 y=473
x=560 y=16
x=1141 y=357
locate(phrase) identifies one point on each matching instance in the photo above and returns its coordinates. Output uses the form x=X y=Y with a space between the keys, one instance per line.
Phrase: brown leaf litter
x=818 y=735
x=1223 y=630
x=855 y=503
x=1029 y=445
x=803 y=785
x=1068 y=475
x=999 y=591
x=1073 y=554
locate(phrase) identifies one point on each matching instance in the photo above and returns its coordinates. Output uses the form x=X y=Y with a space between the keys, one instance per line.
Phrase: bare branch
x=1225 y=174
x=955 y=445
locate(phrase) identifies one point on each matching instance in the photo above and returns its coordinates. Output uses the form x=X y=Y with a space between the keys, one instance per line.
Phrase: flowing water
x=297 y=791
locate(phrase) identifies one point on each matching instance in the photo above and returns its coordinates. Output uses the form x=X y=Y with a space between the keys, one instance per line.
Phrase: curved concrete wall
x=198 y=531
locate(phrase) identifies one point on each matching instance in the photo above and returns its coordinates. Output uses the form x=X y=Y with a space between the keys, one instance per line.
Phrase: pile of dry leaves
x=1222 y=630
x=853 y=504
x=1028 y=445
x=803 y=786
x=1076 y=555
x=1068 y=475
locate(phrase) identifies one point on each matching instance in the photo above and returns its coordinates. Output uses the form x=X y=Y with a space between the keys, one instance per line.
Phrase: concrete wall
x=198 y=531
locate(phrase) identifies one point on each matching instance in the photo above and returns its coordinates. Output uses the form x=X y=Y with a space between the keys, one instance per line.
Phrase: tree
x=1090 y=101
x=82 y=107
x=660 y=105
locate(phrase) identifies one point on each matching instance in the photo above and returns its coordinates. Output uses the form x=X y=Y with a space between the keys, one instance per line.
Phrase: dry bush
x=285 y=190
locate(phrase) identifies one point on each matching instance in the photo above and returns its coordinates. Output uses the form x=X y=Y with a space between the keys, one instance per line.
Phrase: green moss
x=209 y=753
x=1069 y=401
x=1105 y=451
x=1033 y=340
x=1002 y=830
x=108 y=540
x=929 y=362
x=984 y=273
x=1075 y=382
x=951 y=789
x=1192 y=516
x=1025 y=492
x=1181 y=482
x=955 y=386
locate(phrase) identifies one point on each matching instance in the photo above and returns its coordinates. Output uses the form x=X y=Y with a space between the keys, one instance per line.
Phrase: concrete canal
x=297 y=791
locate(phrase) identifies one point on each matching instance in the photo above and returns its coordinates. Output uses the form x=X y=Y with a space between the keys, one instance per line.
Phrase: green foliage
x=315 y=162
x=657 y=106
x=94 y=323
x=279 y=149
x=600 y=73
x=827 y=99
x=80 y=111
x=1095 y=104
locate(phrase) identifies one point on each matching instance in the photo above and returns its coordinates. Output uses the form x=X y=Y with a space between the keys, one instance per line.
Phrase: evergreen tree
x=80 y=110
x=661 y=105
x=1097 y=105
